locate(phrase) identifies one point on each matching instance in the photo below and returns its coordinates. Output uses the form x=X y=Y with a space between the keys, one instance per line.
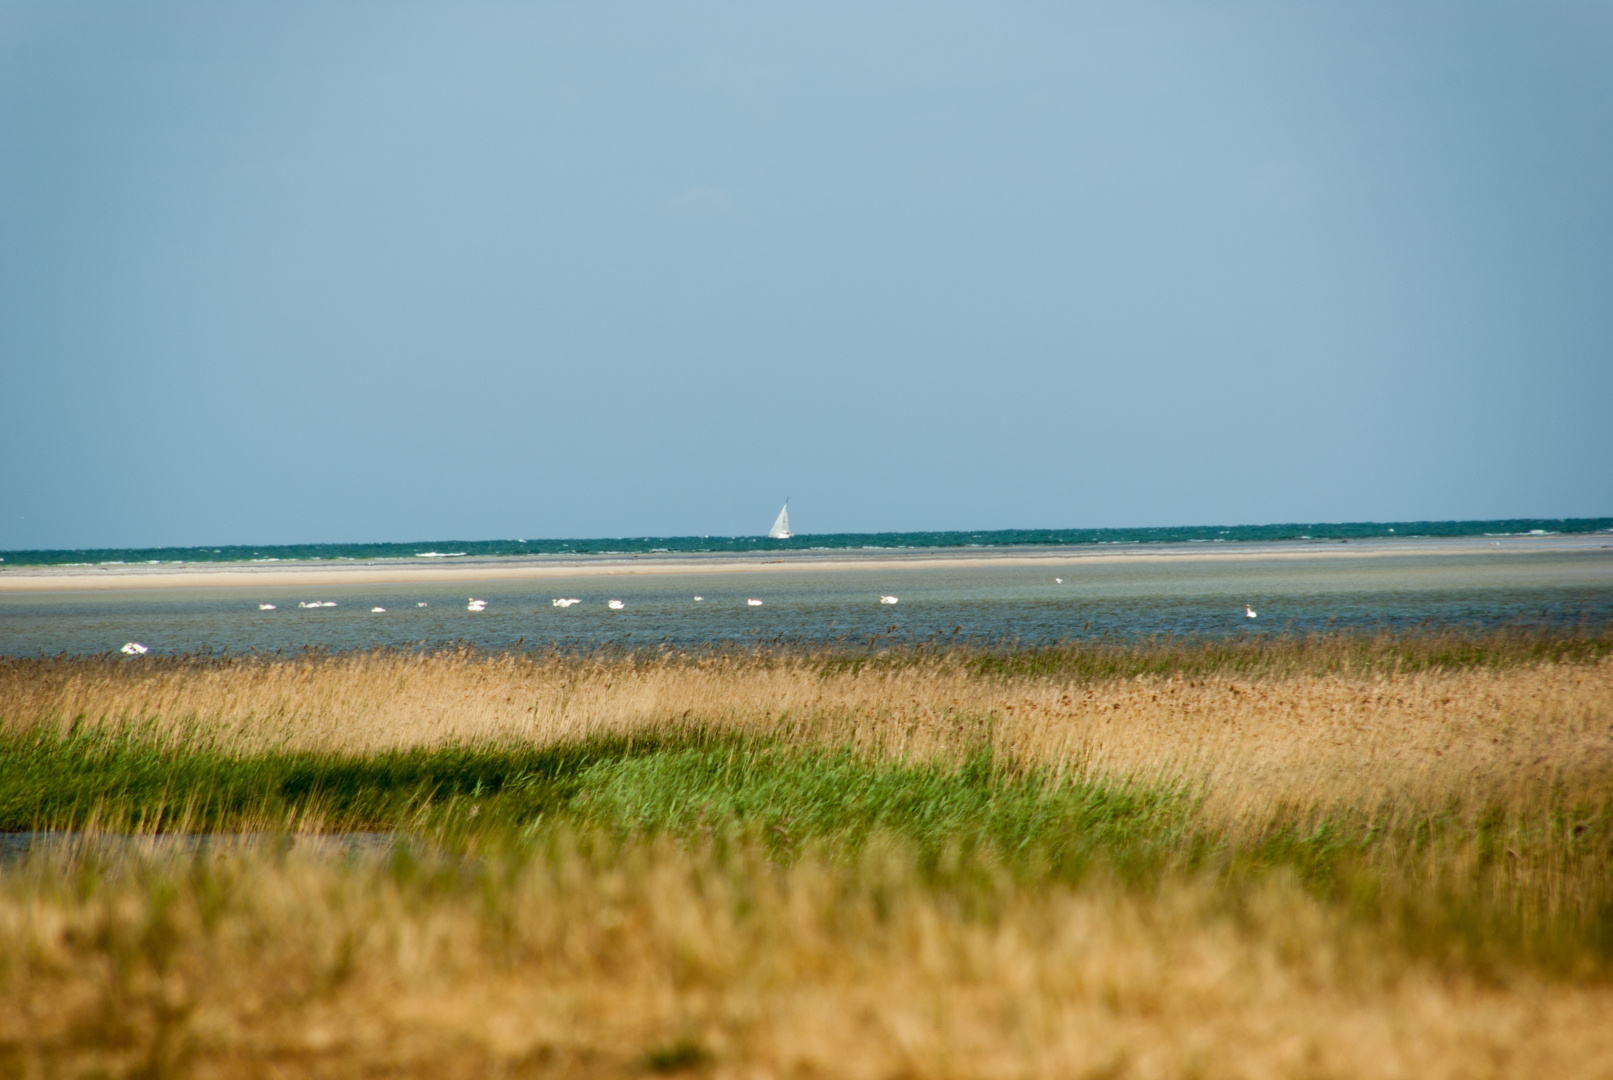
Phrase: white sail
x=781 y=527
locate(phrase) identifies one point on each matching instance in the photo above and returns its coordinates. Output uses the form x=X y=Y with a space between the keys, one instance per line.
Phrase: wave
x=1310 y=532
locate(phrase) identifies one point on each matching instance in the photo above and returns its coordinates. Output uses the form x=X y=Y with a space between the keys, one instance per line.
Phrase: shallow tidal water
x=18 y=847
x=987 y=603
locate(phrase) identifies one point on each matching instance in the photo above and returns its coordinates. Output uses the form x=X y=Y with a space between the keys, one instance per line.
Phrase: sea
x=1295 y=579
x=733 y=545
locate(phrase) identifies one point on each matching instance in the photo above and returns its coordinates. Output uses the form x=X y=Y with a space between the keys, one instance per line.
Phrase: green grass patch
x=692 y=784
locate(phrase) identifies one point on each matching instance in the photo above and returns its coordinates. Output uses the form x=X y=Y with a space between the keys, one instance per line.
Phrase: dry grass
x=612 y=965
x=587 y=954
x=1252 y=743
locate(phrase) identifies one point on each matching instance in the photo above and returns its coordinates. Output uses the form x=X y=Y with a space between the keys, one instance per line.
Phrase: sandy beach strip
x=21 y=579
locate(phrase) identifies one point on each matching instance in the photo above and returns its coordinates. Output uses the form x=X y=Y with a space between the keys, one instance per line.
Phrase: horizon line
x=1564 y=524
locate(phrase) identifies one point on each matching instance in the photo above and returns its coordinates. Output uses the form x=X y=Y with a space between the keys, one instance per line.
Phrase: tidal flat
x=1329 y=855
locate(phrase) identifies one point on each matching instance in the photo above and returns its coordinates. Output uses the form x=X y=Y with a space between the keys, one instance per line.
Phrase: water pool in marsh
x=18 y=847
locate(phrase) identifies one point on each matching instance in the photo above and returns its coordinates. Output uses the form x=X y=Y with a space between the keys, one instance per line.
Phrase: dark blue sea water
x=1359 y=530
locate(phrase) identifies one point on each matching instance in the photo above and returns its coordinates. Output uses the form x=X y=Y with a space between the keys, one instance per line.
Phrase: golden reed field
x=1464 y=930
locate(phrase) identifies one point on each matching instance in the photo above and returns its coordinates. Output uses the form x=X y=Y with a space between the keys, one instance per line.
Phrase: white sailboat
x=781 y=527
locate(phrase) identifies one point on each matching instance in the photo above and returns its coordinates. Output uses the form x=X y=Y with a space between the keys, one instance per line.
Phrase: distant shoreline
x=28 y=579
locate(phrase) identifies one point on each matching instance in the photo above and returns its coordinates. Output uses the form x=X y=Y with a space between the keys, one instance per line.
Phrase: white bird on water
x=1249 y=612
x=698 y=599
x=265 y=607
x=887 y=599
x=615 y=605
x=134 y=648
x=476 y=605
x=754 y=603
x=419 y=603
x=565 y=601
x=378 y=611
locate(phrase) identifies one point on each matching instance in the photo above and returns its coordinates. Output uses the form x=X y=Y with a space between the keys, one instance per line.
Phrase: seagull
x=134 y=648
x=419 y=603
x=265 y=607
x=1249 y=611
x=754 y=602
x=565 y=602
x=698 y=599
x=887 y=599
x=476 y=605
x=378 y=611
x=615 y=605
x=1058 y=581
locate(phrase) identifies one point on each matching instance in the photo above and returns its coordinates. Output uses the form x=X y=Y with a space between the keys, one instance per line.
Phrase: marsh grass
x=585 y=953
x=1285 y=655
x=1354 y=856
x=695 y=784
x=1484 y=886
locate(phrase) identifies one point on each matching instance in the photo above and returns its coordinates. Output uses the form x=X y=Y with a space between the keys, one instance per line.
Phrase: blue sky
x=323 y=272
